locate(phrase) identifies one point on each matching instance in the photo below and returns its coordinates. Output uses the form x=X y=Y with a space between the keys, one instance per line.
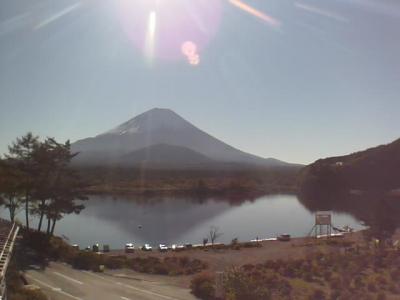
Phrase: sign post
x=323 y=224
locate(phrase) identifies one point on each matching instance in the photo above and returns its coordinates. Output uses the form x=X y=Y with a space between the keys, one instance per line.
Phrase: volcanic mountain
x=162 y=137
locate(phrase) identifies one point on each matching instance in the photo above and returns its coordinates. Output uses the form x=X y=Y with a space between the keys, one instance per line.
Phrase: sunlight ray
x=150 y=36
x=321 y=12
x=256 y=13
x=14 y=23
x=58 y=15
x=378 y=7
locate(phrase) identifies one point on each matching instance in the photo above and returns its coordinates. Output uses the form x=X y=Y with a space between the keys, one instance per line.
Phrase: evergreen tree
x=39 y=174
x=21 y=157
x=11 y=192
x=59 y=187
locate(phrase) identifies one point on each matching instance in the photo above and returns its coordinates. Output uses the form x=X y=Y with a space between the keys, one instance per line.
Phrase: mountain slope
x=165 y=155
x=373 y=169
x=156 y=127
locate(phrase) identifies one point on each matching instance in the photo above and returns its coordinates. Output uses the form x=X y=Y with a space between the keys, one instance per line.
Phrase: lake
x=117 y=220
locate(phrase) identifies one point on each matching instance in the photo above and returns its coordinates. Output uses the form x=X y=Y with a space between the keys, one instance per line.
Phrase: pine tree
x=21 y=156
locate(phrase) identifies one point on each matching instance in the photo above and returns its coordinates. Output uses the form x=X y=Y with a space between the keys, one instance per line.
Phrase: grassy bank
x=359 y=274
x=43 y=248
x=352 y=268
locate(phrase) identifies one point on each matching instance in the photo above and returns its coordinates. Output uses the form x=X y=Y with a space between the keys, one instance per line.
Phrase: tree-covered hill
x=375 y=169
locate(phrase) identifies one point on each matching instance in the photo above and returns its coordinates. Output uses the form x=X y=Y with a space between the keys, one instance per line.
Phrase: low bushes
x=152 y=265
x=318 y=295
x=361 y=274
x=87 y=261
x=15 y=286
x=55 y=248
x=255 y=283
x=238 y=246
x=203 y=286
x=27 y=295
x=47 y=247
x=167 y=266
x=115 y=262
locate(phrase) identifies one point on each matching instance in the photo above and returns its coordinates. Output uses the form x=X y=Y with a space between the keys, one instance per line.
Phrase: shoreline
x=220 y=259
x=241 y=244
x=229 y=194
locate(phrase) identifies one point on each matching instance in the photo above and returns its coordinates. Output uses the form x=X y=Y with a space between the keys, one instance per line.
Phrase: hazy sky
x=294 y=80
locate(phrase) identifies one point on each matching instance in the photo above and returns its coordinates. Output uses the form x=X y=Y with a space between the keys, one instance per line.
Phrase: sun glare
x=256 y=13
x=162 y=28
x=166 y=30
x=189 y=49
x=150 y=36
x=58 y=15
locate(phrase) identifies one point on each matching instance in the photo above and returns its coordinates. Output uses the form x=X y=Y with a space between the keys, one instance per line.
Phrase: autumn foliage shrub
x=318 y=295
x=115 y=262
x=47 y=247
x=320 y=275
x=87 y=261
x=255 y=282
x=167 y=266
x=203 y=286
x=15 y=286
x=28 y=295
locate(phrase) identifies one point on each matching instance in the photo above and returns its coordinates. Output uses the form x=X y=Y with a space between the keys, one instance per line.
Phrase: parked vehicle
x=162 y=248
x=147 y=247
x=284 y=237
x=75 y=246
x=129 y=248
x=175 y=247
x=95 y=248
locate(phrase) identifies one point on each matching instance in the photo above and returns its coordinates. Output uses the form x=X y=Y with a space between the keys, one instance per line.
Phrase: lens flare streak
x=256 y=13
x=151 y=35
x=321 y=12
x=378 y=7
x=58 y=15
x=189 y=49
x=159 y=28
x=14 y=23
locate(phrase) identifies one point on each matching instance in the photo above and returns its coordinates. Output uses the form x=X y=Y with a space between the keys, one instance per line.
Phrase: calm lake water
x=115 y=220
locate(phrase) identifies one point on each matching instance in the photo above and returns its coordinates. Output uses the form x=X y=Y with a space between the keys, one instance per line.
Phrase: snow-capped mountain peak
x=154 y=119
x=142 y=136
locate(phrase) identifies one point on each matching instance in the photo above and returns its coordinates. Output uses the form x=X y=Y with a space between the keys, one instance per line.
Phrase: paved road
x=60 y=282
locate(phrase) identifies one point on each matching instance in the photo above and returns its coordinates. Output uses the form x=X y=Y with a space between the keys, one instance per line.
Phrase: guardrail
x=8 y=235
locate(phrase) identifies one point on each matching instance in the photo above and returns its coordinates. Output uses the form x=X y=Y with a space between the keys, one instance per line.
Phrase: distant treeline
x=142 y=180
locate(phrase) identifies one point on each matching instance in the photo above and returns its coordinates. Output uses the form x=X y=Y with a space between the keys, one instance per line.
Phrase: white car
x=162 y=248
x=129 y=248
x=147 y=247
x=175 y=247
x=284 y=237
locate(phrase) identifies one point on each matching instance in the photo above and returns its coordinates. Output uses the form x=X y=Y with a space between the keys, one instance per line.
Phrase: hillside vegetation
x=360 y=273
x=222 y=182
x=375 y=169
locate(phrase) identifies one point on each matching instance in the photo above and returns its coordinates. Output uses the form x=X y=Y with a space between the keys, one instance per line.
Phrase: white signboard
x=323 y=218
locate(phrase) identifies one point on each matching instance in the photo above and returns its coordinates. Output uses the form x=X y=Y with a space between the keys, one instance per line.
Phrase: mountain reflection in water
x=116 y=220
